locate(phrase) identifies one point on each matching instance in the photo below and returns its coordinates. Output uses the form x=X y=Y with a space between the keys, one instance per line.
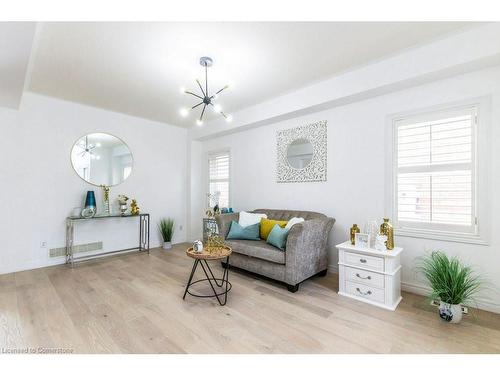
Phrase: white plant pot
x=167 y=245
x=450 y=313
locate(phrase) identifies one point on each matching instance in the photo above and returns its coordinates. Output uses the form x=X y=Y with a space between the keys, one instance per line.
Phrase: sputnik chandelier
x=88 y=149
x=205 y=98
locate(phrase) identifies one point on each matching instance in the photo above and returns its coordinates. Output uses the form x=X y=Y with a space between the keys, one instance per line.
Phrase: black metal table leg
x=190 y=277
x=210 y=277
x=216 y=295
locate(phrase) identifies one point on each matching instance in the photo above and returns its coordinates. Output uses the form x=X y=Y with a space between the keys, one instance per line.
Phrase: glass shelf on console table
x=369 y=275
x=70 y=233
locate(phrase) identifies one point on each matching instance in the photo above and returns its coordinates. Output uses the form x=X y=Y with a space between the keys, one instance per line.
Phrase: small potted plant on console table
x=166 y=227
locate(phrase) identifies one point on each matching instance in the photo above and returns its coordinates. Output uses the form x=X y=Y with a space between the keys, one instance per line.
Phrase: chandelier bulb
x=183 y=112
x=199 y=122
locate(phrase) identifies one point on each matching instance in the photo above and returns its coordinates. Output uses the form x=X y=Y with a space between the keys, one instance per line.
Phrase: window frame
x=210 y=154
x=480 y=174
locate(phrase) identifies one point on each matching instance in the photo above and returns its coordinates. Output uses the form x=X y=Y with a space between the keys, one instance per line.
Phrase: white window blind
x=219 y=169
x=435 y=171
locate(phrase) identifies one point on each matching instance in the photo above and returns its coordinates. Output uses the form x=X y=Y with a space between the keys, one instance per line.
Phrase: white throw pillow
x=248 y=218
x=293 y=221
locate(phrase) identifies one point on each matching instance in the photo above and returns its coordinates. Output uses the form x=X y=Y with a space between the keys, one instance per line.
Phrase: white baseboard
x=423 y=290
x=333 y=268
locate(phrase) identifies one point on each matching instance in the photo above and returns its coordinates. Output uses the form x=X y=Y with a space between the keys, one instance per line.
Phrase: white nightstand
x=370 y=275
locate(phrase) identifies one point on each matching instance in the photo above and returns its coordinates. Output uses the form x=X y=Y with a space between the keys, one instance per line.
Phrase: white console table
x=369 y=275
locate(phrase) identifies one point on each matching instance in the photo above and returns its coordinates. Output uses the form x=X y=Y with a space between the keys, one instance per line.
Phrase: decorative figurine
x=353 y=231
x=105 y=194
x=122 y=200
x=213 y=204
x=198 y=246
x=134 y=208
x=216 y=210
x=387 y=229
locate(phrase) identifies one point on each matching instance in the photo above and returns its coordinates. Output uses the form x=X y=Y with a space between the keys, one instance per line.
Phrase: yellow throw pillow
x=267 y=225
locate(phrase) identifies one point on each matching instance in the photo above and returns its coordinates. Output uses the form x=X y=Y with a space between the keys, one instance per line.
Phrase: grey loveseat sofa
x=305 y=254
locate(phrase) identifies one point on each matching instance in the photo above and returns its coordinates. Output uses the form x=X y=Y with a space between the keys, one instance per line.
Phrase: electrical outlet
x=180 y=227
x=43 y=244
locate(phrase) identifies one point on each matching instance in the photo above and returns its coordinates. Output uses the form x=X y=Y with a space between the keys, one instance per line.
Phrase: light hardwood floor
x=133 y=304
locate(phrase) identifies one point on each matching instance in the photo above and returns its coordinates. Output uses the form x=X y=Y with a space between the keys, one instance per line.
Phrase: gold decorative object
x=354 y=230
x=214 y=242
x=209 y=213
x=134 y=208
x=386 y=229
x=105 y=194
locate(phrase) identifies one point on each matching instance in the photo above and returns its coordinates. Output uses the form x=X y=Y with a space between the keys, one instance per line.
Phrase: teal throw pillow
x=237 y=232
x=278 y=237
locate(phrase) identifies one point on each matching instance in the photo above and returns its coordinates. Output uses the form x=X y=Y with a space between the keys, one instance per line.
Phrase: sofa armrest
x=224 y=222
x=306 y=252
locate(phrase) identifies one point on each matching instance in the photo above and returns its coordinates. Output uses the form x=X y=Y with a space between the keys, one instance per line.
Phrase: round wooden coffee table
x=222 y=283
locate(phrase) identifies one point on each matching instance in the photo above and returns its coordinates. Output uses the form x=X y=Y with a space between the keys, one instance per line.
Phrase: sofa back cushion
x=266 y=225
x=288 y=214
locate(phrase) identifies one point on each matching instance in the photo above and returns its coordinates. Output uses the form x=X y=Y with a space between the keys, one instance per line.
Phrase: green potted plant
x=453 y=283
x=166 y=227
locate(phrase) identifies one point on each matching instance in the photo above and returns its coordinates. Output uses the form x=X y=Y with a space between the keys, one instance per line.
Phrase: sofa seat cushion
x=257 y=249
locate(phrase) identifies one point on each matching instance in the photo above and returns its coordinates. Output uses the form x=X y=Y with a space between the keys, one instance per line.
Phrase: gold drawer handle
x=364 y=278
x=364 y=294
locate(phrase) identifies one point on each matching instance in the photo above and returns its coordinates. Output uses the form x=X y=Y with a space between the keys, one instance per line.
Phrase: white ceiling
x=138 y=68
x=15 y=49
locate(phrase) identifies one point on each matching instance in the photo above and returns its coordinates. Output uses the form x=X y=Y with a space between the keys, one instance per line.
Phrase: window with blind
x=218 y=177
x=435 y=173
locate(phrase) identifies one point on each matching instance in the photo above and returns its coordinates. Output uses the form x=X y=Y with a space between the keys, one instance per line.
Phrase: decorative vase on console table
x=90 y=205
x=122 y=200
x=105 y=195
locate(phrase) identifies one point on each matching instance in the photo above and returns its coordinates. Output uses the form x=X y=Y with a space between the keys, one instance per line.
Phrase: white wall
x=356 y=186
x=39 y=188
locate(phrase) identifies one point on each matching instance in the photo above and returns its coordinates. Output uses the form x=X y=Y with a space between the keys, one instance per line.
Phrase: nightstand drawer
x=364 y=291
x=365 y=261
x=365 y=277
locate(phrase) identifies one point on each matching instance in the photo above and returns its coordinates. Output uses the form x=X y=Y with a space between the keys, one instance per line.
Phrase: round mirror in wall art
x=299 y=153
x=102 y=159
